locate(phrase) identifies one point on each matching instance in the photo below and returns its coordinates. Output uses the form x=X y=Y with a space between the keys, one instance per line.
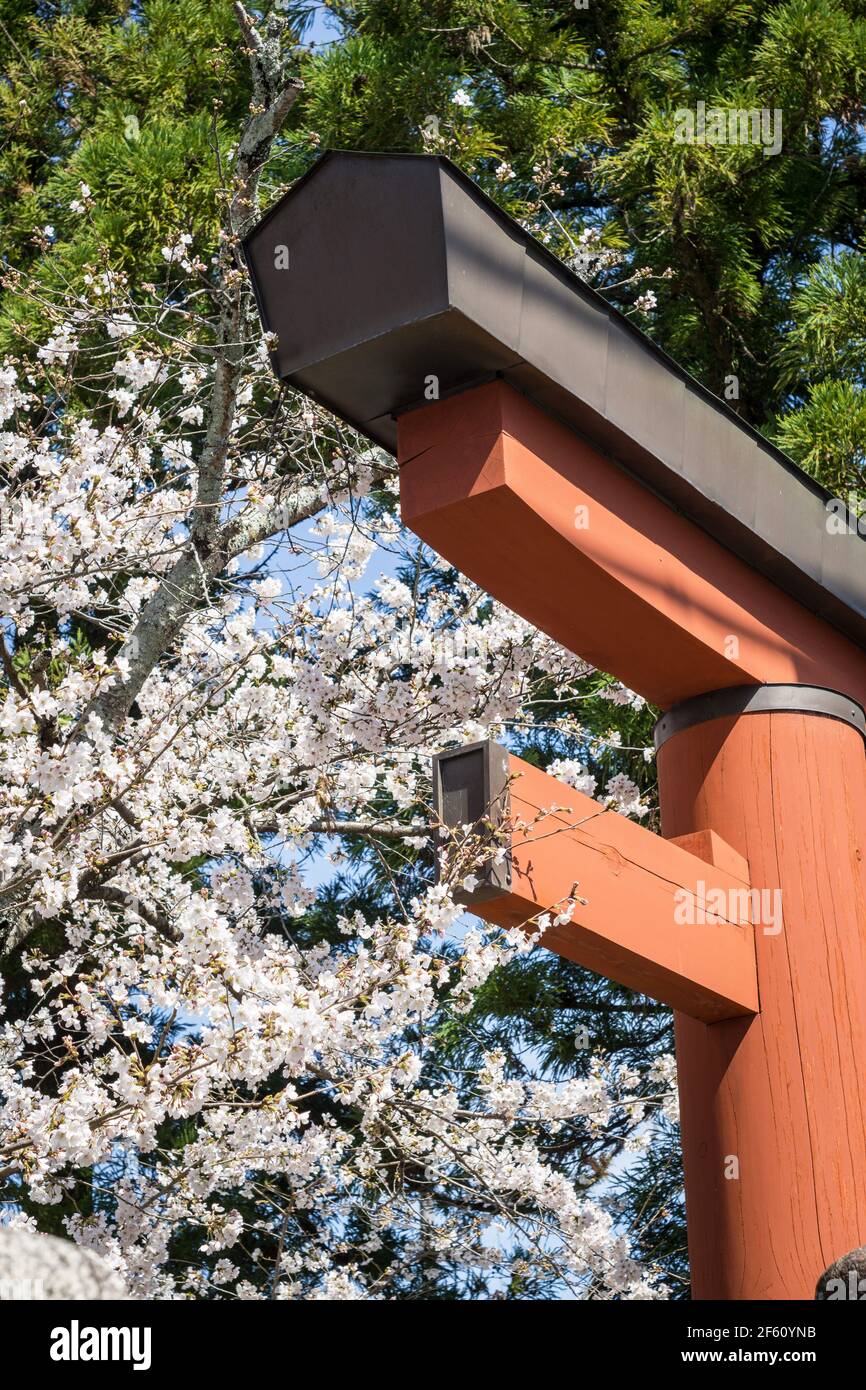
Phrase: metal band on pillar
x=759 y=699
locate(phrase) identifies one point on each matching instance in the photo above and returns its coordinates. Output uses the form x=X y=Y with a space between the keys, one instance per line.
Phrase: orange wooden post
x=774 y=1107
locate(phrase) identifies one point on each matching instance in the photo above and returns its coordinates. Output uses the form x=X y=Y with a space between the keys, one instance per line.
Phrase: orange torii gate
x=560 y=459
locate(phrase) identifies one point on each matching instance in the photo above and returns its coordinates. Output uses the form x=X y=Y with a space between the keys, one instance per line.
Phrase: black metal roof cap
x=377 y=271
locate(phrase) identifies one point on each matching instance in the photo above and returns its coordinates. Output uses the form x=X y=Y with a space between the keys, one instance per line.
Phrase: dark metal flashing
x=470 y=787
x=402 y=269
x=759 y=699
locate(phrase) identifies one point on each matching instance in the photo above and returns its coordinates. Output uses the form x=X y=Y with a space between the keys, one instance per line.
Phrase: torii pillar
x=784 y=1092
x=559 y=459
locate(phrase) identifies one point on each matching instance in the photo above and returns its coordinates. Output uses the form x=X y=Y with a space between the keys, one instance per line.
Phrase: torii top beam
x=400 y=269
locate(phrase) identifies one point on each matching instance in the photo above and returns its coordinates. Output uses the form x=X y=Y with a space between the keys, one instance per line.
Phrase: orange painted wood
x=627 y=930
x=706 y=844
x=785 y=1092
x=495 y=485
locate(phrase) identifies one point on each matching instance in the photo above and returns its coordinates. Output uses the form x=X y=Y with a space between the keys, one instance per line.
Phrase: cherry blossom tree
x=228 y=1084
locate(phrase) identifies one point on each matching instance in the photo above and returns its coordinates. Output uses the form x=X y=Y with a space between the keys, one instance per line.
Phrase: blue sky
x=324 y=28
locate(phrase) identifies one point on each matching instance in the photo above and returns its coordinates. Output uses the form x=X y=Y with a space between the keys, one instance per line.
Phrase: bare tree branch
x=210 y=545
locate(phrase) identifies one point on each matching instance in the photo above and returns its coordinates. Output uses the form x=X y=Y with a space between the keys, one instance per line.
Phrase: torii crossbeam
x=640 y=885
x=560 y=459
